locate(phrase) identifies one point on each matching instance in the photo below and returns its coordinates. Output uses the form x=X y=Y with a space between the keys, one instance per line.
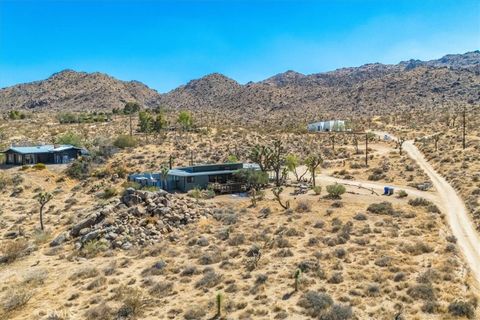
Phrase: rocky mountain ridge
x=369 y=89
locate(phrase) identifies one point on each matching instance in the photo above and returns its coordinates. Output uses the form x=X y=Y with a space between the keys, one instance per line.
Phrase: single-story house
x=327 y=126
x=47 y=154
x=184 y=179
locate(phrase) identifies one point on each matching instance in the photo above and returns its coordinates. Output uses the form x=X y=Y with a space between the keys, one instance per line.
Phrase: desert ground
x=356 y=255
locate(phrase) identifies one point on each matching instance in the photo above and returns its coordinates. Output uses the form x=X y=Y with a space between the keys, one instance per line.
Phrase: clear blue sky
x=166 y=43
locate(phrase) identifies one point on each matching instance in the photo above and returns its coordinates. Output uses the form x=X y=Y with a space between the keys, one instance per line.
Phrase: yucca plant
x=297 y=275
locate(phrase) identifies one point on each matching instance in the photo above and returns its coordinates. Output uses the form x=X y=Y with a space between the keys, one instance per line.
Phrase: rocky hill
x=291 y=96
x=71 y=90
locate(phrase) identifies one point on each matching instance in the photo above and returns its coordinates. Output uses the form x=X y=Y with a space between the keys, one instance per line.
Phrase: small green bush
x=109 y=192
x=336 y=190
x=317 y=190
x=402 y=194
x=125 y=141
x=39 y=166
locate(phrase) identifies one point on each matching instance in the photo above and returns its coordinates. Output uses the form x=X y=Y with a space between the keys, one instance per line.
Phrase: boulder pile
x=138 y=218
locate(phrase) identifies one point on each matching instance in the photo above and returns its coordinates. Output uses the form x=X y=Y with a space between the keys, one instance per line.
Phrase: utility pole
x=131 y=130
x=366 y=149
x=464 y=125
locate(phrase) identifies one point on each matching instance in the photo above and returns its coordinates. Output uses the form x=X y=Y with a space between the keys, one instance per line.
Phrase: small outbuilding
x=327 y=126
x=47 y=154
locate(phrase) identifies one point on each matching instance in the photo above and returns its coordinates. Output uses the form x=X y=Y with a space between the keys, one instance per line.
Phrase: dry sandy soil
x=364 y=256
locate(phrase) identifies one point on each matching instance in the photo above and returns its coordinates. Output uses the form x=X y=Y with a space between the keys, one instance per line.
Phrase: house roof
x=47 y=148
x=186 y=171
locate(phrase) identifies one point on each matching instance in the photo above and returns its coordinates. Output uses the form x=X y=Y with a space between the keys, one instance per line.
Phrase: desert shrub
x=303 y=206
x=417 y=202
x=12 y=250
x=132 y=300
x=194 y=313
x=125 y=141
x=109 y=192
x=161 y=289
x=96 y=283
x=360 y=216
x=381 y=208
x=317 y=190
x=337 y=312
x=100 y=312
x=315 y=302
x=84 y=273
x=15 y=298
x=422 y=291
x=79 y=169
x=417 y=248
x=336 y=190
x=210 y=279
x=5 y=181
x=93 y=248
x=430 y=307
x=70 y=138
x=461 y=309
x=336 y=278
x=402 y=194
x=39 y=166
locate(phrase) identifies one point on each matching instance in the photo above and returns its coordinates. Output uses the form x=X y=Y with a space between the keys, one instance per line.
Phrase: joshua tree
x=400 y=143
x=436 y=138
x=276 y=192
x=312 y=162
x=332 y=140
x=219 y=304
x=164 y=173
x=130 y=108
x=297 y=275
x=262 y=155
x=277 y=160
x=43 y=198
x=292 y=162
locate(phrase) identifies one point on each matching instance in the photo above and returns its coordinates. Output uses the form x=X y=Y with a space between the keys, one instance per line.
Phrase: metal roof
x=181 y=172
x=47 y=148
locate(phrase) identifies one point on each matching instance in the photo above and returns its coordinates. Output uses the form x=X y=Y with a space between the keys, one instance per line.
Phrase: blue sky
x=167 y=43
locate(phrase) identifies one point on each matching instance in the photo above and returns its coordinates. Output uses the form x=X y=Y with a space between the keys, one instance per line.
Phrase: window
x=190 y=180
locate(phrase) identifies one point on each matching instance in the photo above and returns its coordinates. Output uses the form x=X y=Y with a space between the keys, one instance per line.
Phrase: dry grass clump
x=12 y=250
x=15 y=298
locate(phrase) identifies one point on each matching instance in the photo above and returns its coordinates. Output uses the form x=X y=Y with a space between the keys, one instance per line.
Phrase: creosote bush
x=336 y=190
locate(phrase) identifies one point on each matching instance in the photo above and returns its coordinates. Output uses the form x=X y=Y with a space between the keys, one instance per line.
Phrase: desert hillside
x=290 y=97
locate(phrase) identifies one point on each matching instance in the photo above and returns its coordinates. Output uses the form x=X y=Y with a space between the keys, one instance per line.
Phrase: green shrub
x=125 y=141
x=109 y=192
x=402 y=194
x=417 y=202
x=79 y=169
x=25 y=167
x=39 y=166
x=70 y=138
x=381 y=208
x=317 y=190
x=336 y=190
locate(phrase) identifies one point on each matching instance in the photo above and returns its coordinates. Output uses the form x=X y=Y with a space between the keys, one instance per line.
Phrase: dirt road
x=457 y=216
x=454 y=208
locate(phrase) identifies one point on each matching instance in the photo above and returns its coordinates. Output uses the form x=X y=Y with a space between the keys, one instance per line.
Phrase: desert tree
x=130 y=109
x=277 y=191
x=43 y=198
x=297 y=276
x=145 y=123
x=277 y=160
x=164 y=174
x=400 y=141
x=261 y=155
x=292 y=162
x=159 y=124
x=185 y=120
x=312 y=162
x=436 y=137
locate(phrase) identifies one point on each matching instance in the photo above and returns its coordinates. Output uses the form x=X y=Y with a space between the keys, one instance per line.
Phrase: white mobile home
x=327 y=126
